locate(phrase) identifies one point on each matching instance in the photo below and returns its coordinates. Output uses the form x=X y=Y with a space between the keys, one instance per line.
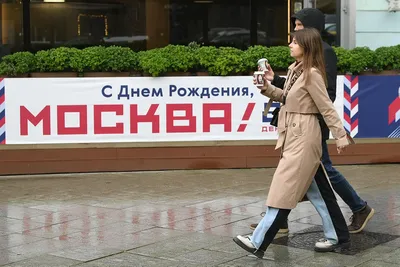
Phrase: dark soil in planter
x=53 y=74
x=177 y=74
x=381 y=73
x=106 y=74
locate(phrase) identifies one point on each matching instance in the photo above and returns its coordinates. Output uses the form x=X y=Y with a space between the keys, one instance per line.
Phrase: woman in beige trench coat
x=303 y=97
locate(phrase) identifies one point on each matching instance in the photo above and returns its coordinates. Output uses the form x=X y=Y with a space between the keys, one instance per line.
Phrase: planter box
x=53 y=74
x=170 y=74
x=106 y=74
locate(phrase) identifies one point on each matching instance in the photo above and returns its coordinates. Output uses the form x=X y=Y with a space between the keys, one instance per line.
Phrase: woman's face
x=295 y=50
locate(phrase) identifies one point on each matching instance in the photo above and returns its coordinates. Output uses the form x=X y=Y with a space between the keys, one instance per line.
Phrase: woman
x=303 y=97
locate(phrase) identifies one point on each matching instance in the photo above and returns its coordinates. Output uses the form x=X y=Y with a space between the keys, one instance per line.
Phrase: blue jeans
x=271 y=217
x=340 y=184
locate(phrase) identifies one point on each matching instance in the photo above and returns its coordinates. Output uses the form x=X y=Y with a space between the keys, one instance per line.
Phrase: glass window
x=217 y=22
x=86 y=23
x=328 y=7
x=272 y=23
x=147 y=24
x=11 y=27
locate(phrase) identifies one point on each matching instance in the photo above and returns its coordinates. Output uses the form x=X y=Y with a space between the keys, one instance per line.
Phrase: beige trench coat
x=300 y=136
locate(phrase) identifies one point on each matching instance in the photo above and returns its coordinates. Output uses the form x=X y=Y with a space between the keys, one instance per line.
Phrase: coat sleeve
x=318 y=93
x=273 y=92
x=331 y=71
x=278 y=81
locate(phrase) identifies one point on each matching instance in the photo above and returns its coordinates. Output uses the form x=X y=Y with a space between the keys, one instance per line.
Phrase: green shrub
x=279 y=57
x=93 y=59
x=17 y=64
x=387 y=58
x=344 y=59
x=220 y=61
x=252 y=55
x=181 y=58
x=153 y=62
x=120 y=59
x=361 y=59
x=56 y=59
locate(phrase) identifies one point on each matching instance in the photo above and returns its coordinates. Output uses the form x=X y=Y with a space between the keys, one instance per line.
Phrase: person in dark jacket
x=362 y=212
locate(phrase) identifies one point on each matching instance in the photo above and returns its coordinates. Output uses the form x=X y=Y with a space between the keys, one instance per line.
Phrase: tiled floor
x=180 y=218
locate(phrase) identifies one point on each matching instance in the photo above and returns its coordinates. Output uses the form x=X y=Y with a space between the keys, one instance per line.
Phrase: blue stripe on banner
x=2 y=114
x=2 y=137
x=2 y=91
x=354 y=118
x=346 y=110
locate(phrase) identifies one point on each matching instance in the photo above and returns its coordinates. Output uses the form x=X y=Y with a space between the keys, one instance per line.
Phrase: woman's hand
x=259 y=87
x=269 y=74
x=350 y=141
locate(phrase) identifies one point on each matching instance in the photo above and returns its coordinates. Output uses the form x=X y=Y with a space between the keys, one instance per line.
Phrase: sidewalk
x=180 y=218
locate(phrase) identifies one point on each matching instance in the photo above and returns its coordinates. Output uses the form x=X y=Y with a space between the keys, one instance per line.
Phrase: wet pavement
x=180 y=218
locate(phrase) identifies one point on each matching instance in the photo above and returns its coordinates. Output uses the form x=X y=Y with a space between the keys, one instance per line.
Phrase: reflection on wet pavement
x=180 y=218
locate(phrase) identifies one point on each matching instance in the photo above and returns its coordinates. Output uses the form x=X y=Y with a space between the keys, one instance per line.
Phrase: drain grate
x=359 y=242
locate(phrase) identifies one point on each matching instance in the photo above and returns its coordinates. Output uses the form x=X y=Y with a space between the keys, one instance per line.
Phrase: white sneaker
x=245 y=243
x=324 y=245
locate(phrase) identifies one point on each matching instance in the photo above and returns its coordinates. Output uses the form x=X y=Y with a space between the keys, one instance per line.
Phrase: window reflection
x=272 y=22
x=11 y=27
x=87 y=23
x=328 y=7
x=218 y=22
x=227 y=23
x=147 y=24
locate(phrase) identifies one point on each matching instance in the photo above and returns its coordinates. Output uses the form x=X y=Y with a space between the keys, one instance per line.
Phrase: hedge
x=193 y=58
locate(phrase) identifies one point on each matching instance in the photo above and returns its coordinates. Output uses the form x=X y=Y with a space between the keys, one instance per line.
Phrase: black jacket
x=313 y=18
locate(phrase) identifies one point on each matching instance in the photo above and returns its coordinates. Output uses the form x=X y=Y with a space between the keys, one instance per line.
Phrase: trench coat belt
x=268 y=107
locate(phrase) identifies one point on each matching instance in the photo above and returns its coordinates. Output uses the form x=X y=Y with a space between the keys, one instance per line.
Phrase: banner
x=372 y=106
x=136 y=109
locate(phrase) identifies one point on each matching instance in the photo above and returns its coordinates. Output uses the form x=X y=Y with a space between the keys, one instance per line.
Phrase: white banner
x=137 y=109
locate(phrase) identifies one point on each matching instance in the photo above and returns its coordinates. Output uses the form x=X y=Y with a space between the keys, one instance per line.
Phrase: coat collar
x=296 y=66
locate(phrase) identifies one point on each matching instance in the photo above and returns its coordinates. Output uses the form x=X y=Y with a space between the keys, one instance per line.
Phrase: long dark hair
x=313 y=56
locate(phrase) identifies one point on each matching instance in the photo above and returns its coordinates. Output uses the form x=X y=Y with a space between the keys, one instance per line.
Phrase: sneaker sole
x=333 y=248
x=257 y=253
x=283 y=231
x=369 y=217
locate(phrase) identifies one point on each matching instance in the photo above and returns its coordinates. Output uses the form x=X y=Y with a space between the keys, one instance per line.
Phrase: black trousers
x=328 y=196
x=333 y=207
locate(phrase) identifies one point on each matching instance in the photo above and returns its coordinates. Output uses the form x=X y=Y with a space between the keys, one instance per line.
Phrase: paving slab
x=181 y=218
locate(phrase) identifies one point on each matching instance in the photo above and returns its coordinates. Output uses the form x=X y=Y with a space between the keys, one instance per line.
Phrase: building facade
x=33 y=25
x=370 y=23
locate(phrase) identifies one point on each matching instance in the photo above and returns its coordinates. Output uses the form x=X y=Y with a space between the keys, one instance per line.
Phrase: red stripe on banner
x=347 y=97
x=354 y=103
x=3 y=142
x=249 y=110
x=246 y=116
x=393 y=108
x=354 y=82
x=242 y=127
x=346 y=118
x=354 y=124
x=2 y=99
x=348 y=77
x=2 y=121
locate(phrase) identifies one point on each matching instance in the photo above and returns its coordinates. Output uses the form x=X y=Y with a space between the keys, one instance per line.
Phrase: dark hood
x=310 y=18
